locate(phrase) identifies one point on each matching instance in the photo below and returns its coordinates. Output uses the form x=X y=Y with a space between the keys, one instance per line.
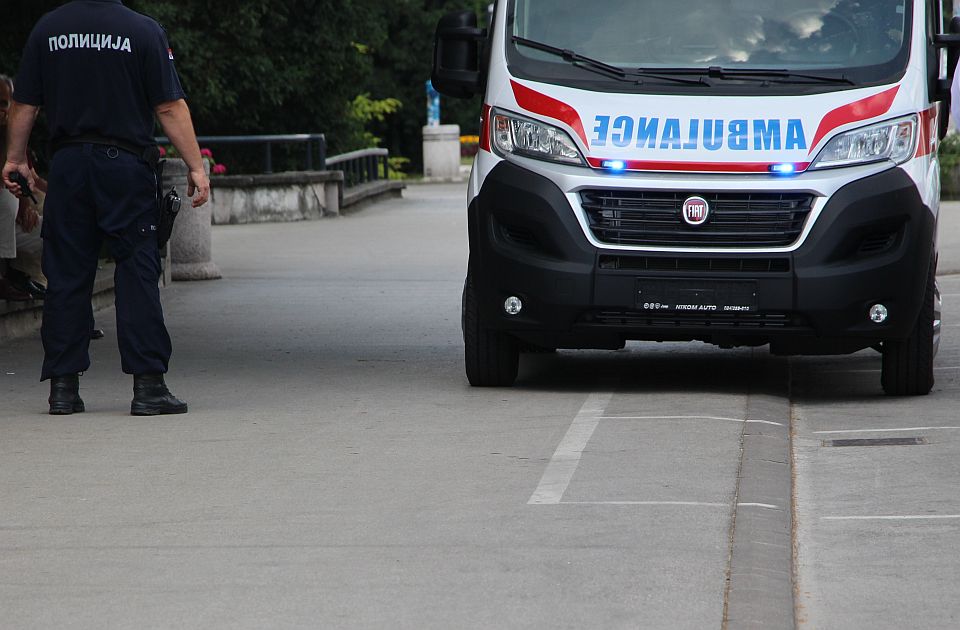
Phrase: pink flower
x=219 y=169
x=163 y=152
x=206 y=153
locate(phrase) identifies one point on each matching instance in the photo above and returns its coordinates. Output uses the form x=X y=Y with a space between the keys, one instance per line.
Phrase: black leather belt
x=150 y=154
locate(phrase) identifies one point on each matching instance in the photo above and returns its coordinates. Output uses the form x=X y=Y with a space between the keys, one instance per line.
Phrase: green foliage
x=365 y=110
x=402 y=66
x=949 y=155
x=290 y=66
x=399 y=167
x=950 y=152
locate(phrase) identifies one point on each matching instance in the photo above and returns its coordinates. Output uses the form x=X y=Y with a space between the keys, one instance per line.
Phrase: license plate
x=696 y=296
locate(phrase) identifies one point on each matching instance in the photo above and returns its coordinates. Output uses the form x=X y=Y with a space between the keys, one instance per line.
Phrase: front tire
x=908 y=363
x=492 y=357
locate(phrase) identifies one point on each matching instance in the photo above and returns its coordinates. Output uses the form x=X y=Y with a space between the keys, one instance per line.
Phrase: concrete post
x=190 y=244
x=332 y=197
x=441 y=152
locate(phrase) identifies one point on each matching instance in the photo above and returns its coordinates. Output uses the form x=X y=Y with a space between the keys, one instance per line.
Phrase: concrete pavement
x=336 y=470
x=878 y=525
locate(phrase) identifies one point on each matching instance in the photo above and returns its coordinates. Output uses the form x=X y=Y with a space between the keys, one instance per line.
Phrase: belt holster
x=169 y=208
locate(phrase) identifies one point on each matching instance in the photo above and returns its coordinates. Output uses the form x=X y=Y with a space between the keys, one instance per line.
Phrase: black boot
x=65 y=395
x=152 y=398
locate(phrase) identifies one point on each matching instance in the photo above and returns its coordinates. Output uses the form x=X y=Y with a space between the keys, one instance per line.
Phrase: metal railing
x=315 y=147
x=360 y=167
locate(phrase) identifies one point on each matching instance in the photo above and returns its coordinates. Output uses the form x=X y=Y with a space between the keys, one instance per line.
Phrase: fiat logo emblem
x=696 y=211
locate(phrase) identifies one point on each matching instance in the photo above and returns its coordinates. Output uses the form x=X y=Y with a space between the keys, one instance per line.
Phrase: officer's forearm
x=19 y=124
x=177 y=124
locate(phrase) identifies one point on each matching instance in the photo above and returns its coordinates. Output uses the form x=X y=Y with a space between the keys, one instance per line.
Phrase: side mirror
x=456 y=55
x=950 y=41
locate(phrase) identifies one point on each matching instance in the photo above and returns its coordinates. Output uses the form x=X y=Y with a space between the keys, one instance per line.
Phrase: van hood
x=719 y=134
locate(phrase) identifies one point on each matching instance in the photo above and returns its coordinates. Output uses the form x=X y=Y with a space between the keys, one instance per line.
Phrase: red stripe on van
x=538 y=103
x=928 y=131
x=870 y=107
x=699 y=167
x=485 y=128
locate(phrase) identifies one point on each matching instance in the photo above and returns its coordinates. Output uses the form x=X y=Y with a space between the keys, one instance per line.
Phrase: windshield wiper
x=753 y=74
x=595 y=65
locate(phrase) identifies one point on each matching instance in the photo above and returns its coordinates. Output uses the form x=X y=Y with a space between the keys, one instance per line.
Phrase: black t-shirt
x=100 y=68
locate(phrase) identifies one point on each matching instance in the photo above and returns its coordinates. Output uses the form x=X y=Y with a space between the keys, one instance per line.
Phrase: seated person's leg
x=25 y=271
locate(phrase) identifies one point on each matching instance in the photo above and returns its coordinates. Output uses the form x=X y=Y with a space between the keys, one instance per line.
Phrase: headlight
x=521 y=136
x=894 y=140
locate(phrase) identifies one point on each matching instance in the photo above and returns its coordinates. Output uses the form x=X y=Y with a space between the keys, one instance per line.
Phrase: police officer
x=103 y=73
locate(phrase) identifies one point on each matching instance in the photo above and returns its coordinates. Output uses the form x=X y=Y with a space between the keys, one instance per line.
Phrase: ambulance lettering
x=674 y=134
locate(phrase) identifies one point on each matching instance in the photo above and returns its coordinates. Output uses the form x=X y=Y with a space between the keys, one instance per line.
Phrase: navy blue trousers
x=100 y=194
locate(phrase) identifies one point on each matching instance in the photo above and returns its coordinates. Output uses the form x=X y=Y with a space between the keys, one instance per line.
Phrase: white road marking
x=907 y=429
x=766 y=506
x=777 y=424
x=651 y=503
x=876 y=371
x=903 y=517
x=563 y=465
x=565 y=460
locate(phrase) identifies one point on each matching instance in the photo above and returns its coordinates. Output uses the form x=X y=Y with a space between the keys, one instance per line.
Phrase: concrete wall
x=294 y=196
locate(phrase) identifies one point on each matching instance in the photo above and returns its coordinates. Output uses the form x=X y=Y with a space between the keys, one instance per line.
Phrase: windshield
x=863 y=41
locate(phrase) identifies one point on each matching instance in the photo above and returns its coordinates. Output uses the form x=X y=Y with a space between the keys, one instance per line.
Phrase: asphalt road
x=336 y=471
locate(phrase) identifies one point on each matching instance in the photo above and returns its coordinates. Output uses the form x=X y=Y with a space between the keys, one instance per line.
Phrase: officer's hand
x=198 y=187
x=8 y=169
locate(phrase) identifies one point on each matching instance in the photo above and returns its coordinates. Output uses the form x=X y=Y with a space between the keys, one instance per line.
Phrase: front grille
x=725 y=321
x=686 y=263
x=636 y=217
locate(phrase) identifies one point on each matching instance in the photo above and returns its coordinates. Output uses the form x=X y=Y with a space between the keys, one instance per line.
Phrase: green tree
x=289 y=66
x=353 y=70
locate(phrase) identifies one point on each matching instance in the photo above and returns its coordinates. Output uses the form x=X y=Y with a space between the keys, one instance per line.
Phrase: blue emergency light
x=783 y=169
x=614 y=165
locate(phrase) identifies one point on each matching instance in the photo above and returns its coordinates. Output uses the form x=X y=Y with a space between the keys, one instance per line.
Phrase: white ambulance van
x=739 y=172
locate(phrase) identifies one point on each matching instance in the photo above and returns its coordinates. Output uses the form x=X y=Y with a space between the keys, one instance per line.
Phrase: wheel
x=492 y=357
x=908 y=363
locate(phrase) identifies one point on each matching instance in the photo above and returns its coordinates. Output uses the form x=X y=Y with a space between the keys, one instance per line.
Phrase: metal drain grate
x=906 y=441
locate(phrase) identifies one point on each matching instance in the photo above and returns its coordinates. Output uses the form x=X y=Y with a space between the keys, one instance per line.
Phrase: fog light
x=513 y=305
x=879 y=313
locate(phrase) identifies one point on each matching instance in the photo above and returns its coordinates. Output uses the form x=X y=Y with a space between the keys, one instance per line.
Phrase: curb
x=760 y=591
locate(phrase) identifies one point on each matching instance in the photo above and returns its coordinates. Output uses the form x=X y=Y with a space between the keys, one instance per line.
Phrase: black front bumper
x=872 y=243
